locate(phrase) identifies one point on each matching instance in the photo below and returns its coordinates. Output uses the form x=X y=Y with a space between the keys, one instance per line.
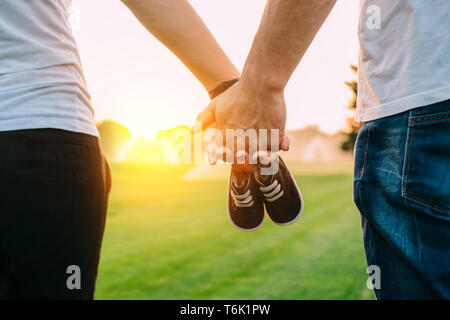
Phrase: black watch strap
x=221 y=88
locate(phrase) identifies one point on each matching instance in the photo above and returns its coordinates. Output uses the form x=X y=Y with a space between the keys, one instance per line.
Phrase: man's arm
x=257 y=100
x=176 y=24
x=285 y=33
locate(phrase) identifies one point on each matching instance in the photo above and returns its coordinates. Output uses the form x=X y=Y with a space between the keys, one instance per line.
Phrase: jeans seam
x=432 y=115
x=430 y=121
x=426 y=204
x=419 y=237
x=407 y=155
x=365 y=153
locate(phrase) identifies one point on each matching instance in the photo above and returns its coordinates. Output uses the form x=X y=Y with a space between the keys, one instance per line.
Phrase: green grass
x=170 y=239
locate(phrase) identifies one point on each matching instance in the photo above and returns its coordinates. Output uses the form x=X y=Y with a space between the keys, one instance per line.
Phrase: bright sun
x=150 y=119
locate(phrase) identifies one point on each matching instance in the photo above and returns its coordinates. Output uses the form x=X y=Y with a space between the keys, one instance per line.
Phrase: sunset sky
x=135 y=80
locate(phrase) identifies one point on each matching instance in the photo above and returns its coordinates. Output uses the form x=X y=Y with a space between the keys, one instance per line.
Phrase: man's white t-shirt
x=405 y=56
x=41 y=80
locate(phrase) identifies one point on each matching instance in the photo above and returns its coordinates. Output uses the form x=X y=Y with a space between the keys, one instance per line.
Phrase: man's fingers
x=216 y=141
x=285 y=143
x=211 y=152
x=273 y=139
x=284 y=140
x=207 y=116
x=225 y=154
x=212 y=141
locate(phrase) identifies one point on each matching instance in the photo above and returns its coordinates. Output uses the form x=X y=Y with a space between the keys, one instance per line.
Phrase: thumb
x=208 y=115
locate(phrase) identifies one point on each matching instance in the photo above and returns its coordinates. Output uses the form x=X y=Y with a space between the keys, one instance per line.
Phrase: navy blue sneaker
x=245 y=202
x=281 y=195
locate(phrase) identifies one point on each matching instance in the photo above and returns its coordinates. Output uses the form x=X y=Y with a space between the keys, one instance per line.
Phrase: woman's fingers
x=207 y=116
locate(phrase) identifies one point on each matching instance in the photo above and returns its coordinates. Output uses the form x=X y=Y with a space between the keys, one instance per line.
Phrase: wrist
x=221 y=87
x=220 y=78
x=262 y=82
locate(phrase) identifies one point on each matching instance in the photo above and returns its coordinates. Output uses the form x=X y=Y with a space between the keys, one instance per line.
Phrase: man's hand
x=248 y=105
x=257 y=100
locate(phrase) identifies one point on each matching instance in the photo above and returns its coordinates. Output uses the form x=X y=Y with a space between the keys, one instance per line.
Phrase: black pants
x=54 y=188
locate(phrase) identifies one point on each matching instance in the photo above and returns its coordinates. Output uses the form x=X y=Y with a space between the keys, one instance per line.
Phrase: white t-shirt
x=41 y=80
x=405 y=56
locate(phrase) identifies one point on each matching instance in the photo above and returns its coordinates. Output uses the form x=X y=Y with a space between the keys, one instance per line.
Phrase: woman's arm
x=176 y=24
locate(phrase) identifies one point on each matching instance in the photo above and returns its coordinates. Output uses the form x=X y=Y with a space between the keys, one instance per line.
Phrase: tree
x=113 y=136
x=349 y=143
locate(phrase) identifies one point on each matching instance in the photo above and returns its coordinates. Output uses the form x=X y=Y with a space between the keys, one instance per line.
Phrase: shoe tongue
x=266 y=180
x=241 y=181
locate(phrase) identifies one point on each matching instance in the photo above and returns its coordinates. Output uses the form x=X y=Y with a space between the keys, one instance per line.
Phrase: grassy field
x=171 y=239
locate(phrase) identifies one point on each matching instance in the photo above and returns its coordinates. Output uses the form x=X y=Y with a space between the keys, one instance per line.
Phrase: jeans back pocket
x=426 y=172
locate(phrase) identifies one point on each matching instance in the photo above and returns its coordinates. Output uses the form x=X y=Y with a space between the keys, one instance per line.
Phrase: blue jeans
x=402 y=190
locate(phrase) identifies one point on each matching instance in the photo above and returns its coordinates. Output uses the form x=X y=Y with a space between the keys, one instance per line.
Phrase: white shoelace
x=242 y=200
x=272 y=192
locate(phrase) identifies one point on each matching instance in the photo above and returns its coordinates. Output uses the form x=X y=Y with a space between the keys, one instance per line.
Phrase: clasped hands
x=247 y=108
